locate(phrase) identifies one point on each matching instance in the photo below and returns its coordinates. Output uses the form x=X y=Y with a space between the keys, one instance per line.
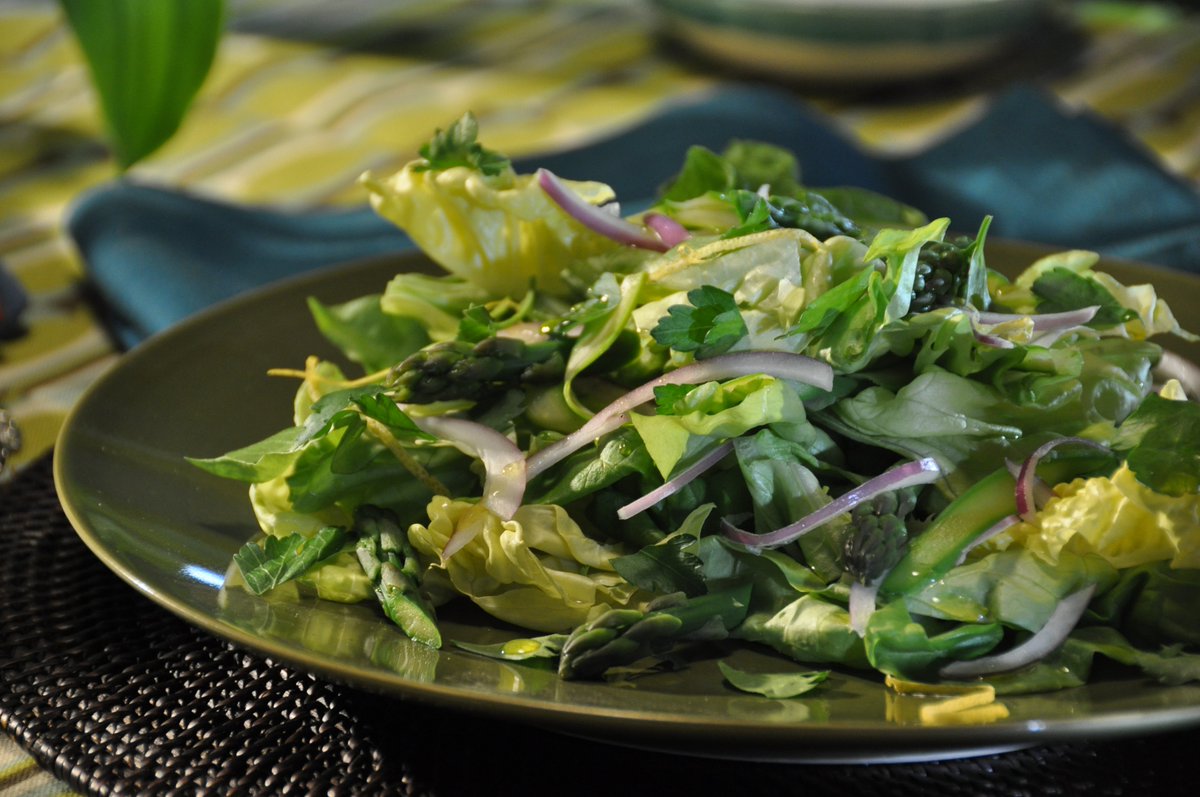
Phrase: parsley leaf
x=457 y=146
x=1163 y=437
x=476 y=325
x=666 y=397
x=710 y=325
x=282 y=559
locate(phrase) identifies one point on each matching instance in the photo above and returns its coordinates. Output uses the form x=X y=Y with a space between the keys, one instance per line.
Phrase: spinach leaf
x=664 y=568
x=369 y=336
x=1061 y=289
x=774 y=684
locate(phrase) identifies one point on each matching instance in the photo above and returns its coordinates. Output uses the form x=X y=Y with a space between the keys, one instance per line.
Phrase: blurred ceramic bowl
x=851 y=40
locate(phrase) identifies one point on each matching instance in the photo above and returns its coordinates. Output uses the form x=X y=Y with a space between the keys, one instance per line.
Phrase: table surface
x=541 y=76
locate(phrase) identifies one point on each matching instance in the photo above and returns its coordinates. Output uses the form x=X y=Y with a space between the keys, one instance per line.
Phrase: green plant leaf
x=776 y=684
x=147 y=58
x=282 y=559
x=709 y=326
x=458 y=146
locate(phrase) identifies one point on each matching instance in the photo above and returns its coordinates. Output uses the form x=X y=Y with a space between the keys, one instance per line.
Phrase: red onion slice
x=782 y=365
x=1043 y=322
x=1027 y=476
x=1048 y=639
x=503 y=463
x=921 y=471
x=862 y=605
x=1041 y=491
x=676 y=483
x=666 y=228
x=994 y=340
x=596 y=218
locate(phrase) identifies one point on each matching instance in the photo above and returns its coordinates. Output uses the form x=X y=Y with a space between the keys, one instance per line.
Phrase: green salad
x=806 y=419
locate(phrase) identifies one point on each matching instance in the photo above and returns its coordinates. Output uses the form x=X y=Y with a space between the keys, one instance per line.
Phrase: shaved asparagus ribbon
x=795 y=367
x=910 y=474
x=1027 y=475
x=675 y=484
x=597 y=218
x=996 y=529
x=504 y=466
x=1049 y=638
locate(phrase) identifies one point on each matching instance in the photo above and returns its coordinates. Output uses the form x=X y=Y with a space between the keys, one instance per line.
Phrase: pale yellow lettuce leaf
x=501 y=232
x=1116 y=517
x=538 y=570
x=273 y=509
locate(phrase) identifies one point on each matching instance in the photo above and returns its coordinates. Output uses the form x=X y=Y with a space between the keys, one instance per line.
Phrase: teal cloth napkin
x=1046 y=174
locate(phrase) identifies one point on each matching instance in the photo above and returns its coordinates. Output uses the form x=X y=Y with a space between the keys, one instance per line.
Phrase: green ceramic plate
x=170 y=530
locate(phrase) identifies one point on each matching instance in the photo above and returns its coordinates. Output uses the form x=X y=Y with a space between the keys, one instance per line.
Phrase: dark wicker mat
x=116 y=696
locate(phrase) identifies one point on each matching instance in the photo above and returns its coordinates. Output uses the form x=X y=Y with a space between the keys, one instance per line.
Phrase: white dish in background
x=851 y=41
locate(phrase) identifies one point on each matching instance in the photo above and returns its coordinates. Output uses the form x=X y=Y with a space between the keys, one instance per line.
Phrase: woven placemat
x=114 y=695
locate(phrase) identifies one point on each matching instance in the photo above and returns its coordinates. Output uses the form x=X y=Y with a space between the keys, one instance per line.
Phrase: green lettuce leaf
x=842 y=325
x=713 y=412
x=437 y=303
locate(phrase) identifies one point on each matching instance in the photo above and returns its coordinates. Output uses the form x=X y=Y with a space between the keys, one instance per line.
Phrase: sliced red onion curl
x=676 y=483
x=666 y=228
x=1043 y=322
x=1027 y=476
x=994 y=340
x=596 y=218
x=1048 y=639
x=910 y=474
x=1041 y=491
x=782 y=365
x=503 y=463
x=996 y=529
x=1050 y=325
x=862 y=604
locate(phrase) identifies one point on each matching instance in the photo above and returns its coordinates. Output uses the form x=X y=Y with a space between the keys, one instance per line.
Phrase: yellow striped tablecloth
x=304 y=96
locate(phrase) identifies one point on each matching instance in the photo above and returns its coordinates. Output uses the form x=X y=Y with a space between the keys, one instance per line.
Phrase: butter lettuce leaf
x=436 y=303
x=500 y=232
x=713 y=412
x=538 y=570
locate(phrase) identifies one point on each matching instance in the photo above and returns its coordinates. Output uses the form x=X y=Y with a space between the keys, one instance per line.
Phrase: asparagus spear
x=879 y=535
x=392 y=565
x=459 y=370
x=621 y=636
